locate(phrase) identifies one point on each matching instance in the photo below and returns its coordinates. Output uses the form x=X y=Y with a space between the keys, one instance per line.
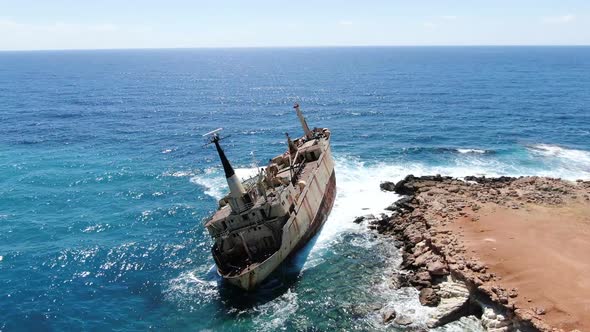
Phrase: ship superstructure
x=267 y=217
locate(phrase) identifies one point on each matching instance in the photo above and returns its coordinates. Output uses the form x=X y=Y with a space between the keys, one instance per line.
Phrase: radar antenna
x=213 y=136
x=213 y=132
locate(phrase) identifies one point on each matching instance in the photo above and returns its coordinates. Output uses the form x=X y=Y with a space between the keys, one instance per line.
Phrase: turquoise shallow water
x=105 y=183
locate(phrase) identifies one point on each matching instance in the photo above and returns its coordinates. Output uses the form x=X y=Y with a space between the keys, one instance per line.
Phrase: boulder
x=453 y=189
x=421 y=279
x=405 y=186
x=428 y=297
x=403 y=320
x=387 y=186
x=437 y=268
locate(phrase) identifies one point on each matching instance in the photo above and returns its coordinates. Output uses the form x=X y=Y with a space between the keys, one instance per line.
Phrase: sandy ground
x=543 y=252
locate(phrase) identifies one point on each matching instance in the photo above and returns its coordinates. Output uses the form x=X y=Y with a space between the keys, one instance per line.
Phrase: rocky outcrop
x=437 y=263
x=454 y=303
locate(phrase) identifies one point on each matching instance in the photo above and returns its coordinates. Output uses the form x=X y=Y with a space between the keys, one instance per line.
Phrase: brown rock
x=428 y=297
x=454 y=189
x=421 y=279
x=437 y=268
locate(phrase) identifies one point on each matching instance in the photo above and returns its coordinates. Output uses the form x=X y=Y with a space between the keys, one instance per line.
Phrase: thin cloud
x=345 y=22
x=562 y=19
x=449 y=17
x=429 y=25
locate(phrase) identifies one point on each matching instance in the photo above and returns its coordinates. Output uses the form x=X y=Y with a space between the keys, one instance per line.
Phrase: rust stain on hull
x=322 y=214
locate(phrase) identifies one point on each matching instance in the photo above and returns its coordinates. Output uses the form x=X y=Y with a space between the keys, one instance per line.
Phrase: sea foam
x=565 y=163
x=573 y=155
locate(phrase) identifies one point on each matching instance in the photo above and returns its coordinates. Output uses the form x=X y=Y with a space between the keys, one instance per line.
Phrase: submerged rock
x=403 y=320
x=388 y=315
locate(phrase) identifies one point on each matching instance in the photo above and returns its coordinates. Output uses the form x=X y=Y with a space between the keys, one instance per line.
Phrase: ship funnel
x=235 y=185
x=303 y=122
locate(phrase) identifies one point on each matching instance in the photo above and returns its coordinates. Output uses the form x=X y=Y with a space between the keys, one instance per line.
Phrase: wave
x=177 y=174
x=547 y=150
x=447 y=150
x=570 y=164
x=479 y=151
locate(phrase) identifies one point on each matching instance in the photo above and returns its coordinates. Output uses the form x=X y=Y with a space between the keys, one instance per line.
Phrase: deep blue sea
x=105 y=183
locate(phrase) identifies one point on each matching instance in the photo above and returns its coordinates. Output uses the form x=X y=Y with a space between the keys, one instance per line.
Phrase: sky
x=110 y=24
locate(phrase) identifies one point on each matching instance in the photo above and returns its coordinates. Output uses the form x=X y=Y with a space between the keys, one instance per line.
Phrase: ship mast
x=237 y=198
x=235 y=185
x=303 y=122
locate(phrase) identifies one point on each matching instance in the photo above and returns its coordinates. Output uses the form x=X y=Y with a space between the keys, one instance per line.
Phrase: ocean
x=105 y=182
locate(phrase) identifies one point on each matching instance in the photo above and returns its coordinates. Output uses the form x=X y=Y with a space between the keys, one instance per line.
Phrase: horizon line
x=289 y=47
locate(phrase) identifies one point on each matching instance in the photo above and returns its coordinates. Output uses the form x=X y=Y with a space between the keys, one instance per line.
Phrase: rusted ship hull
x=266 y=218
x=322 y=214
x=312 y=211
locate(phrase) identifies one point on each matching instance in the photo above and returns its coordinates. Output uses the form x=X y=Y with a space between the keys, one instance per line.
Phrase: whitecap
x=179 y=174
x=465 y=151
x=548 y=150
x=95 y=228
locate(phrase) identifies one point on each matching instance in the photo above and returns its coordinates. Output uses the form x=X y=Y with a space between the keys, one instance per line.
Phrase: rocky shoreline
x=427 y=224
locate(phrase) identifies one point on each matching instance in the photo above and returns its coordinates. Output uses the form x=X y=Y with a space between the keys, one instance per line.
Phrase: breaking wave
x=563 y=162
x=479 y=151
x=554 y=151
x=445 y=150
